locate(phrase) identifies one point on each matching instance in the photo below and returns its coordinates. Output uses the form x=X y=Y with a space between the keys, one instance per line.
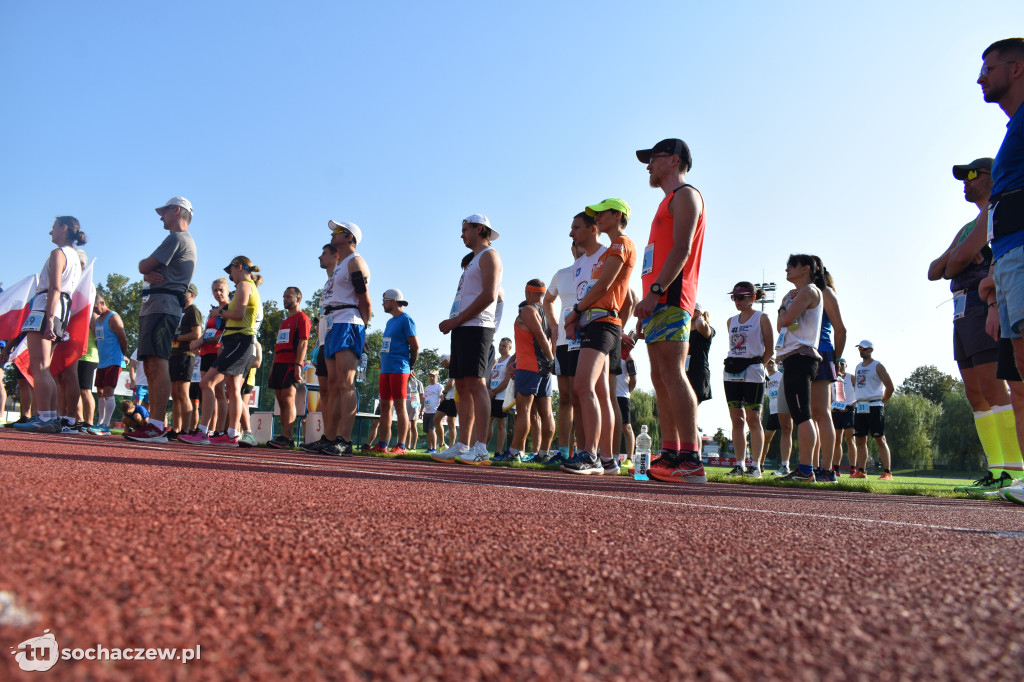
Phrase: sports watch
x=657 y=289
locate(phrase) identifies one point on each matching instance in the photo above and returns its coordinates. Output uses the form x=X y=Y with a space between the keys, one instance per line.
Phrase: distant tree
x=956 y=436
x=721 y=440
x=910 y=425
x=124 y=297
x=427 y=360
x=644 y=410
x=929 y=382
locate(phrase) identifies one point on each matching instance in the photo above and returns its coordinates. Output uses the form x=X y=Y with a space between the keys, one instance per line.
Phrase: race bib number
x=145 y=293
x=648 y=264
x=782 y=339
x=197 y=374
x=34 y=323
x=284 y=336
x=959 y=304
x=733 y=376
x=456 y=307
x=574 y=344
x=838 y=405
x=330 y=323
x=863 y=408
x=101 y=333
x=385 y=345
x=209 y=336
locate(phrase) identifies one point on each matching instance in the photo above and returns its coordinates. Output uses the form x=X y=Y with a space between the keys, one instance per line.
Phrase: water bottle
x=642 y=455
x=361 y=372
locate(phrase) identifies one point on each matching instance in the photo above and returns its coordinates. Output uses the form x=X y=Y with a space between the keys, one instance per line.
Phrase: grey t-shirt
x=178 y=254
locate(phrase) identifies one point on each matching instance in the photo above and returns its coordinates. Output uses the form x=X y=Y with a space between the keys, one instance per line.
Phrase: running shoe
x=735 y=471
x=782 y=471
x=752 y=472
x=247 y=440
x=397 y=450
x=1015 y=492
x=281 y=442
x=527 y=457
x=859 y=474
x=627 y=464
x=147 y=434
x=37 y=425
x=611 y=467
x=347 y=449
x=21 y=420
x=225 y=440
x=448 y=456
x=824 y=476
x=886 y=476
x=556 y=459
x=986 y=483
x=475 y=455
x=377 y=449
x=508 y=456
x=584 y=463
x=83 y=427
x=432 y=451
x=172 y=435
x=197 y=438
x=679 y=468
x=795 y=475
x=67 y=428
x=332 y=448
x=314 y=447
x=99 y=430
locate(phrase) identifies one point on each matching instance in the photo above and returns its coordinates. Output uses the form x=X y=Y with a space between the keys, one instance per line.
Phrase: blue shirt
x=394 y=349
x=1007 y=174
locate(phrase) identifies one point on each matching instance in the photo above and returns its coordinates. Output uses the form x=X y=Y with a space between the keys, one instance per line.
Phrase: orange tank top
x=613 y=299
x=682 y=291
x=527 y=348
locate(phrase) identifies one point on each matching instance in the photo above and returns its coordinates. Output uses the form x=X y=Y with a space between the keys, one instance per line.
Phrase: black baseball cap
x=960 y=172
x=669 y=146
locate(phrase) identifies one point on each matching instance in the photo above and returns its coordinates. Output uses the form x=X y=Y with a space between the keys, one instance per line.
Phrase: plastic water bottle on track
x=361 y=372
x=643 y=455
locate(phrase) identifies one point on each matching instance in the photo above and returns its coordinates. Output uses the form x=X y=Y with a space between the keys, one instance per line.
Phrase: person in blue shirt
x=398 y=352
x=135 y=416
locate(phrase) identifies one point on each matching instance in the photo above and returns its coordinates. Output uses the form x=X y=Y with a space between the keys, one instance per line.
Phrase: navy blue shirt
x=1007 y=174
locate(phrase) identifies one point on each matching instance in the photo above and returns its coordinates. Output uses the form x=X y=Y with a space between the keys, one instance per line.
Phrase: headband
x=530 y=289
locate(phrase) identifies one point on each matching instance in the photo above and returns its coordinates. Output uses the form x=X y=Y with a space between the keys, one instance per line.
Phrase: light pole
x=769 y=293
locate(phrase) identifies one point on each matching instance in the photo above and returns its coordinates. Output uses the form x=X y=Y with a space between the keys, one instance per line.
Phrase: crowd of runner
x=578 y=328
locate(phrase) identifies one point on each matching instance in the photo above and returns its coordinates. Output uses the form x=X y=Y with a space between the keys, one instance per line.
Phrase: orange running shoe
x=397 y=450
x=886 y=476
x=676 y=468
x=858 y=474
x=378 y=450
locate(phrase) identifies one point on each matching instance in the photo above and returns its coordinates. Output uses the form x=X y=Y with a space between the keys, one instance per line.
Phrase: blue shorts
x=1009 y=277
x=533 y=383
x=140 y=394
x=345 y=336
x=667 y=323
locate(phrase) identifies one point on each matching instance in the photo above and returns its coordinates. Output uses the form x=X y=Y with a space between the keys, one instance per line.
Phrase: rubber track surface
x=290 y=566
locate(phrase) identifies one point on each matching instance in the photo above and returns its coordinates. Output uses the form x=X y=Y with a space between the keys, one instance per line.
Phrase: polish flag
x=14 y=306
x=76 y=338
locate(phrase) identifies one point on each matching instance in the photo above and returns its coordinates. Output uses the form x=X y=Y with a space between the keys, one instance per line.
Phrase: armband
x=359 y=282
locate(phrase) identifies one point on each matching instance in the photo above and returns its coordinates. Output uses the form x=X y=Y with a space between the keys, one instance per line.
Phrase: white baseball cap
x=178 y=201
x=866 y=344
x=395 y=295
x=351 y=227
x=481 y=219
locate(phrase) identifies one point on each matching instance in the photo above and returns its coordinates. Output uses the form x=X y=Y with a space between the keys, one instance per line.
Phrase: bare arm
x=967 y=251
x=414 y=350
x=57 y=264
x=938 y=266
x=887 y=382
x=769 y=340
x=808 y=297
x=236 y=310
x=355 y=265
x=549 y=313
x=532 y=323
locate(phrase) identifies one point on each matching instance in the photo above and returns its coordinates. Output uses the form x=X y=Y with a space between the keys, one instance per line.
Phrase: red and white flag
x=76 y=338
x=14 y=306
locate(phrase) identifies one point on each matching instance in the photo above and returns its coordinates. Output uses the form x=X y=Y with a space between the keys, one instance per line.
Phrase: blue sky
x=819 y=128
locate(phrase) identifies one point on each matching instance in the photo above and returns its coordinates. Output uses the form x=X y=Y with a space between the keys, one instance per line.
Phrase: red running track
x=292 y=566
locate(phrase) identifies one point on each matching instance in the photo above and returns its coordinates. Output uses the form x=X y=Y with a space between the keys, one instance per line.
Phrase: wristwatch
x=657 y=289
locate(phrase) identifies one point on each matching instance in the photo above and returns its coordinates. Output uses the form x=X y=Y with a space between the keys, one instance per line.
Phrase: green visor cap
x=609 y=204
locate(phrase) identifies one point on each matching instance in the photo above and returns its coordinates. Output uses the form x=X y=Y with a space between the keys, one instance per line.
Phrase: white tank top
x=498 y=375
x=583 y=271
x=471 y=285
x=747 y=341
x=869 y=386
x=69 y=278
x=806 y=334
x=499 y=307
x=340 y=291
x=563 y=286
x=772 y=387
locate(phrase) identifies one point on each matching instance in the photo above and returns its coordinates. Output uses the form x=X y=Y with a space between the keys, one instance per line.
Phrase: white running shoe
x=451 y=453
x=476 y=455
x=1014 y=492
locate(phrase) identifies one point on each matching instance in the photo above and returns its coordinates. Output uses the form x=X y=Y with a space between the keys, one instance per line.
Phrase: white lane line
x=581 y=493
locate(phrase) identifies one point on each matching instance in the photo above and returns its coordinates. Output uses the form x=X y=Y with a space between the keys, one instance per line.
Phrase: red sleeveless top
x=682 y=292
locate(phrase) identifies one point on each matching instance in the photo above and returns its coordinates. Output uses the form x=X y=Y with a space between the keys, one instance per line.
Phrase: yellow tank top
x=247 y=325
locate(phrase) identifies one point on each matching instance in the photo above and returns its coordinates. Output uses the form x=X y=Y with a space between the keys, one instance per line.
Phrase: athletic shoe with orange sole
x=678 y=468
x=397 y=450
x=886 y=476
x=858 y=474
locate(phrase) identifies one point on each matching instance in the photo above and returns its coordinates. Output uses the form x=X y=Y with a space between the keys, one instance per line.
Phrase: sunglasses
x=973 y=174
x=740 y=297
